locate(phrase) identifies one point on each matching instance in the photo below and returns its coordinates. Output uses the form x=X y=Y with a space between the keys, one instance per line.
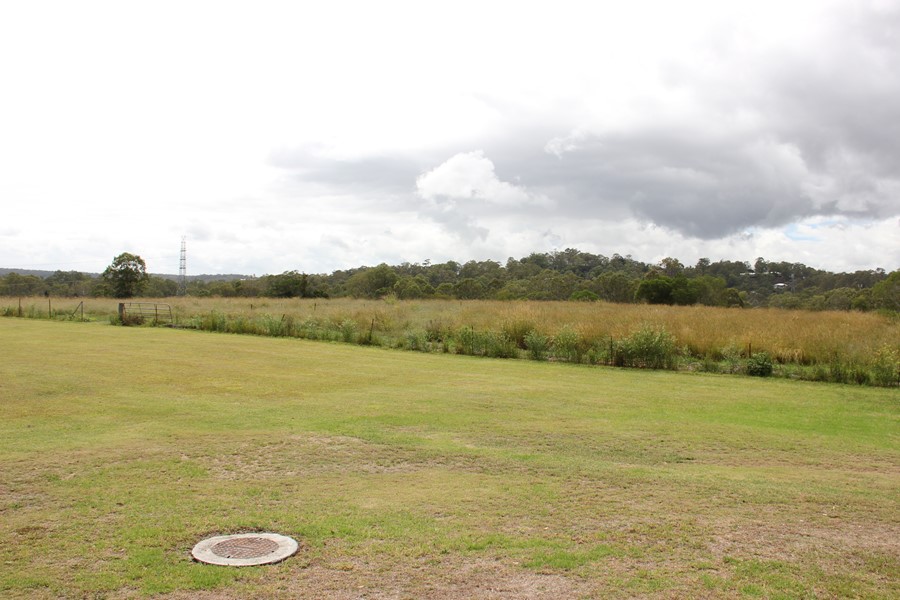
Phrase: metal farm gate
x=138 y=312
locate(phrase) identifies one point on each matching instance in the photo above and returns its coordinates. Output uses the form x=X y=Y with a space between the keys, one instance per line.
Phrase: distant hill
x=35 y=272
x=206 y=277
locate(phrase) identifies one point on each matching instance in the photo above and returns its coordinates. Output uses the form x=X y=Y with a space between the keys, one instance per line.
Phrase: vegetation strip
x=838 y=347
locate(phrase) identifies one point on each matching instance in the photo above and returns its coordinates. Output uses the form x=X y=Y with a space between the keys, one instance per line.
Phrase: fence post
x=122 y=312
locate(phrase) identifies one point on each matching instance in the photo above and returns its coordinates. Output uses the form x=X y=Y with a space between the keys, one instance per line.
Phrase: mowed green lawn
x=430 y=476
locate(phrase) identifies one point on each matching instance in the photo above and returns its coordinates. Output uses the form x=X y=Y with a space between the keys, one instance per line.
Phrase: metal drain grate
x=244 y=549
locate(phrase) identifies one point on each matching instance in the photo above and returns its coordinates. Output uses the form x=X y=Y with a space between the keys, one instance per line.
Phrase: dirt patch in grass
x=447 y=579
x=777 y=539
x=313 y=455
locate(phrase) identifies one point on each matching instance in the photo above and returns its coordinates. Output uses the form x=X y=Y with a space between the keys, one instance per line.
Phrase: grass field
x=836 y=346
x=410 y=475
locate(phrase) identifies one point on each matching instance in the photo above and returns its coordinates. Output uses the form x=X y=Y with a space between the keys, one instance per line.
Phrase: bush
x=468 y=341
x=567 y=345
x=650 y=348
x=484 y=343
x=886 y=370
x=436 y=331
x=518 y=331
x=731 y=354
x=499 y=345
x=415 y=340
x=584 y=296
x=348 y=329
x=537 y=345
x=759 y=365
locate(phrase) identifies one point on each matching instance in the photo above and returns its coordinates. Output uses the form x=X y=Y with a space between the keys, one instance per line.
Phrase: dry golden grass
x=800 y=337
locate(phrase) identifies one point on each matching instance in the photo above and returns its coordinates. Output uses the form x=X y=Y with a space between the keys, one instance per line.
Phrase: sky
x=316 y=136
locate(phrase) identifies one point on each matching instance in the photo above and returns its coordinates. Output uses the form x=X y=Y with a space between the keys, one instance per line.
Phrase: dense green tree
x=15 y=284
x=685 y=292
x=159 y=287
x=711 y=291
x=372 y=283
x=69 y=283
x=517 y=270
x=671 y=267
x=289 y=284
x=732 y=271
x=702 y=266
x=886 y=294
x=584 y=296
x=615 y=286
x=551 y=285
x=408 y=288
x=840 y=299
x=126 y=276
x=732 y=298
x=657 y=290
x=469 y=289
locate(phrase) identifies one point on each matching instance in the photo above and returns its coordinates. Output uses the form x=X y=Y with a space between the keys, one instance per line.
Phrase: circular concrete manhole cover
x=244 y=549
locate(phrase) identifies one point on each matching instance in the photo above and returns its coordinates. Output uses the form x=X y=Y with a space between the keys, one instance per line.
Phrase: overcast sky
x=326 y=135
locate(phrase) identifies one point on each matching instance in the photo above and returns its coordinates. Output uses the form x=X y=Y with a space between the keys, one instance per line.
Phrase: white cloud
x=471 y=176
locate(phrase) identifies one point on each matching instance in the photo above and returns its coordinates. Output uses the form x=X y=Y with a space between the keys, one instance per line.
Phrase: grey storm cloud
x=368 y=173
x=773 y=137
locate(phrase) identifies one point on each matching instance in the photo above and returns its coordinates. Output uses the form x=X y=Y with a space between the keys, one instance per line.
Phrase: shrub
x=275 y=327
x=650 y=348
x=436 y=331
x=584 y=296
x=759 y=365
x=415 y=340
x=214 y=321
x=242 y=325
x=368 y=337
x=886 y=368
x=348 y=330
x=518 y=330
x=731 y=354
x=567 y=345
x=309 y=329
x=537 y=345
x=469 y=342
x=499 y=345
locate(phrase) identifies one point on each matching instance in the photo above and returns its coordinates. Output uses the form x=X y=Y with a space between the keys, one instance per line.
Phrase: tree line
x=560 y=275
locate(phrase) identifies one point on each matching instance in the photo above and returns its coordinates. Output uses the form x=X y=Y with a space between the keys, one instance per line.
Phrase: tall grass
x=847 y=347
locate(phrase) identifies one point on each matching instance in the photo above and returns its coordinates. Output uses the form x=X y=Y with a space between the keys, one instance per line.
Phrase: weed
x=567 y=345
x=731 y=354
x=415 y=340
x=650 y=348
x=518 y=330
x=348 y=329
x=537 y=345
x=436 y=331
x=886 y=366
x=759 y=365
x=469 y=342
x=500 y=345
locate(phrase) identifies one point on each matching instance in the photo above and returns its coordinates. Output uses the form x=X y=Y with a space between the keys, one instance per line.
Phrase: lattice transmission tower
x=182 y=268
